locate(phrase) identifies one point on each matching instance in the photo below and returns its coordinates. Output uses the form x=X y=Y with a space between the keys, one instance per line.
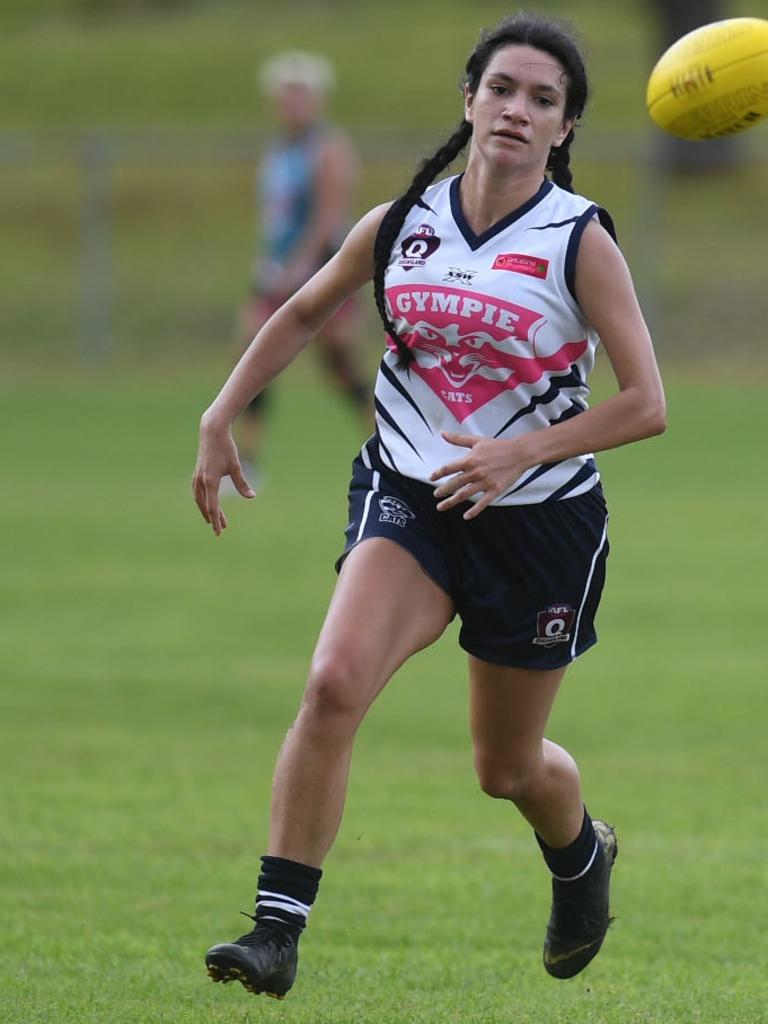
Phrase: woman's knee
x=506 y=777
x=335 y=689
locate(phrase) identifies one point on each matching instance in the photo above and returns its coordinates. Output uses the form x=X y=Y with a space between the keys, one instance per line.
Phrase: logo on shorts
x=417 y=248
x=394 y=511
x=553 y=625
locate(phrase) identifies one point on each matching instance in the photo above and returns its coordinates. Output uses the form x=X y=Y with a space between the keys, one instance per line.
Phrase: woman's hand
x=216 y=458
x=489 y=468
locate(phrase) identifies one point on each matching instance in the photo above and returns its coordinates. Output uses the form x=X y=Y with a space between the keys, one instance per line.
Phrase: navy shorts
x=525 y=579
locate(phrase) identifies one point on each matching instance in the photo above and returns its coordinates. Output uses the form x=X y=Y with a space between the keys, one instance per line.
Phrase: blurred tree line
x=29 y=11
x=20 y=11
x=675 y=17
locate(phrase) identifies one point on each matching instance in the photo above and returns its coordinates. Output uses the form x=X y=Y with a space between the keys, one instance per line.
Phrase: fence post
x=96 y=335
x=649 y=210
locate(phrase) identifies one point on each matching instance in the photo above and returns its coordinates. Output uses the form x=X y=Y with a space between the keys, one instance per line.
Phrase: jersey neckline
x=476 y=241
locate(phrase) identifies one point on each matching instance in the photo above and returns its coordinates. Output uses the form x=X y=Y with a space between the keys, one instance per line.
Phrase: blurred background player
x=306 y=184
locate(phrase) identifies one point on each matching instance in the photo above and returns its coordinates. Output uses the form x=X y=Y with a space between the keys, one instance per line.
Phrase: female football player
x=306 y=183
x=478 y=495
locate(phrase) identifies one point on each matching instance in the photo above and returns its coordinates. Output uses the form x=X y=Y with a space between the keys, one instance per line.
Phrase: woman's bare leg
x=384 y=609
x=509 y=712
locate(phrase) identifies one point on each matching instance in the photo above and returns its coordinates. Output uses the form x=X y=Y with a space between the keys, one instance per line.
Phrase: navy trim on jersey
x=540 y=471
x=554 y=224
x=573 y=247
x=545 y=467
x=368 y=451
x=574 y=409
x=475 y=241
x=607 y=221
x=556 y=385
x=383 y=450
x=389 y=376
x=584 y=473
x=387 y=416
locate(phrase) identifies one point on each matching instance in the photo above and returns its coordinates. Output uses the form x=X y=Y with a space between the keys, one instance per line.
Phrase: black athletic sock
x=287 y=890
x=573 y=861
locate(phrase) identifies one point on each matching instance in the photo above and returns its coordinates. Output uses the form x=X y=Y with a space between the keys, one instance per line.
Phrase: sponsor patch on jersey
x=458 y=276
x=554 y=625
x=394 y=511
x=531 y=266
x=418 y=247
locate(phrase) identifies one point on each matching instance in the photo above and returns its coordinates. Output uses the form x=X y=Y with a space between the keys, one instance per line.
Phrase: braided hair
x=523 y=29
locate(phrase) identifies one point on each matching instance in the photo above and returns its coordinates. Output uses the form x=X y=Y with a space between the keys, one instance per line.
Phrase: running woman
x=478 y=494
x=306 y=184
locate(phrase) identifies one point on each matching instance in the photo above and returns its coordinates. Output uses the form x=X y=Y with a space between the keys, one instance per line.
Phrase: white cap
x=294 y=67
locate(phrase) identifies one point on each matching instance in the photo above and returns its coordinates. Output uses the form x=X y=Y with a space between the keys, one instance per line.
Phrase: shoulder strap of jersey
x=607 y=221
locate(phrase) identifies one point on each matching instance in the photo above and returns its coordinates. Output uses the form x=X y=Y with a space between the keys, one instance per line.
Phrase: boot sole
x=225 y=974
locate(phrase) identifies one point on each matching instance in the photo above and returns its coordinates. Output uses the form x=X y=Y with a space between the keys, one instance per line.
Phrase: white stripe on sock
x=586 y=869
x=282 y=896
x=299 y=909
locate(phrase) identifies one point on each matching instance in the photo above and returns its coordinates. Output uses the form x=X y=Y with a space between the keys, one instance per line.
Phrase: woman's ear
x=563 y=133
x=468 y=101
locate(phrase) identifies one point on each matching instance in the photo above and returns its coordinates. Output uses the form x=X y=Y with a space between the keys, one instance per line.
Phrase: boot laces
x=265 y=933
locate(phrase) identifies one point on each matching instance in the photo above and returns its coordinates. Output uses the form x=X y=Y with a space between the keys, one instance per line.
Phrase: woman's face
x=518 y=111
x=296 y=106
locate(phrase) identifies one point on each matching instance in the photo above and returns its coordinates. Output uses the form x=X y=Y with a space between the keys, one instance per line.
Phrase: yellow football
x=713 y=81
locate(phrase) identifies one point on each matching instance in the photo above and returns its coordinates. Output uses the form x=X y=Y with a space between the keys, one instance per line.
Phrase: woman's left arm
x=607 y=298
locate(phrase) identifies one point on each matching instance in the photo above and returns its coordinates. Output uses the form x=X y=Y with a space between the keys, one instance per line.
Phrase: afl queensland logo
x=394 y=511
x=417 y=248
x=553 y=625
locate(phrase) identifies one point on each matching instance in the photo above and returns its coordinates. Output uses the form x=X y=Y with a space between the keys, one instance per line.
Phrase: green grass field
x=150 y=670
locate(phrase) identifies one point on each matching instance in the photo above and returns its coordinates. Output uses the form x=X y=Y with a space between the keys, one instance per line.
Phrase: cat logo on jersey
x=553 y=625
x=531 y=266
x=469 y=347
x=417 y=248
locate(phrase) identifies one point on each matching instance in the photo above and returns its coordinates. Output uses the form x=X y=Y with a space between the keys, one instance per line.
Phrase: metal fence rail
x=104 y=169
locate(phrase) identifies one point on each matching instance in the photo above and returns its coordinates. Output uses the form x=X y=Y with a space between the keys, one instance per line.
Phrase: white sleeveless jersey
x=501 y=346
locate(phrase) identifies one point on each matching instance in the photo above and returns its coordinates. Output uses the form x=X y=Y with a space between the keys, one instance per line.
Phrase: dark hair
x=522 y=29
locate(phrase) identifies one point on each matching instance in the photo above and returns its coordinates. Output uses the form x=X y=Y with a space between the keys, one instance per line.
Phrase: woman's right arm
x=277 y=344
